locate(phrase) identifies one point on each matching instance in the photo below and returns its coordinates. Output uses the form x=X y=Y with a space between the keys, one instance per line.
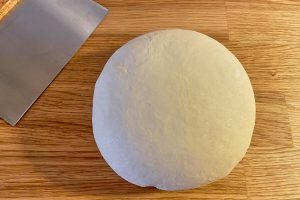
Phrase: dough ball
x=173 y=109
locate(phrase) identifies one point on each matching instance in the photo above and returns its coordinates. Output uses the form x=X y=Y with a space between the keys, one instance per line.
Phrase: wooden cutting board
x=51 y=153
x=6 y=6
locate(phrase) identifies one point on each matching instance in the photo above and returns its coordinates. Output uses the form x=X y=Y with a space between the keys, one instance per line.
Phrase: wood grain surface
x=7 y=6
x=51 y=153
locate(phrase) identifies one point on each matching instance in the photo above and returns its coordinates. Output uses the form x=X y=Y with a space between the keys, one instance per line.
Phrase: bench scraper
x=37 y=40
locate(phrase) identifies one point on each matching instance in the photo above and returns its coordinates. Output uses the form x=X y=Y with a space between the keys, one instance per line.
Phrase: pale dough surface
x=173 y=109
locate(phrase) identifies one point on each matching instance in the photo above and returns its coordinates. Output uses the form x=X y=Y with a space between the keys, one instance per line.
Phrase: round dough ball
x=173 y=109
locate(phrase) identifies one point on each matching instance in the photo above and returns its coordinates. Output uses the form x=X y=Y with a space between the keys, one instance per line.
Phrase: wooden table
x=7 y=6
x=51 y=153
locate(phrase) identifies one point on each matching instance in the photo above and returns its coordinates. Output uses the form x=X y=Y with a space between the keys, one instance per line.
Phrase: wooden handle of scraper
x=7 y=6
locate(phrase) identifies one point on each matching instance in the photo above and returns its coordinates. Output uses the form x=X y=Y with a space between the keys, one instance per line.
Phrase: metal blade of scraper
x=36 y=41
